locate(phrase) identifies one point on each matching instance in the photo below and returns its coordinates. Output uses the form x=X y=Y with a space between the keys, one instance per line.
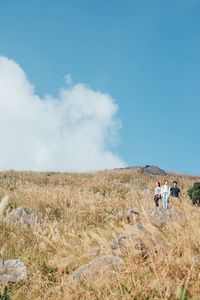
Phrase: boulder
x=140 y=240
x=12 y=270
x=129 y=239
x=23 y=217
x=195 y=259
x=98 y=269
x=162 y=216
x=127 y=215
x=153 y=171
x=131 y=214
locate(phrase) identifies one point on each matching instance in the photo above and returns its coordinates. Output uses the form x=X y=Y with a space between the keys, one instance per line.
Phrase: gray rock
x=138 y=227
x=12 y=270
x=140 y=240
x=129 y=238
x=162 y=217
x=135 y=230
x=128 y=214
x=102 y=267
x=131 y=214
x=153 y=171
x=23 y=217
x=195 y=260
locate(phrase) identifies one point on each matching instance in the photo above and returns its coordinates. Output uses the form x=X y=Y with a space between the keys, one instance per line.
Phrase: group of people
x=164 y=192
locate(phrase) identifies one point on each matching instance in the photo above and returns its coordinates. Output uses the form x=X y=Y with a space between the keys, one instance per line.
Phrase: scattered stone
x=127 y=215
x=130 y=238
x=23 y=217
x=131 y=214
x=132 y=232
x=12 y=270
x=153 y=171
x=195 y=260
x=100 y=193
x=100 y=268
x=162 y=217
x=140 y=240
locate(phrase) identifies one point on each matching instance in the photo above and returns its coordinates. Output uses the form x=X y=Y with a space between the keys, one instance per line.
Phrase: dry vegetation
x=79 y=225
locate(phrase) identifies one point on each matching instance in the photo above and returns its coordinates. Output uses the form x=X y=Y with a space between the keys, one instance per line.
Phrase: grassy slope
x=78 y=228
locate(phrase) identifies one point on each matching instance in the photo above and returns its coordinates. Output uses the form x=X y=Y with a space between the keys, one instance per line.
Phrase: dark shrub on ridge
x=194 y=193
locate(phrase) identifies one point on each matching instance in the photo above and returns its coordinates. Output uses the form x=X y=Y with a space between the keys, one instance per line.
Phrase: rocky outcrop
x=131 y=214
x=12 y=270
x=98 y=269
x=140 y=240
x=127 y=215
x=23 y=217
x=130 y=239
x=195 y=260
x=153 y=171
x=162 y=217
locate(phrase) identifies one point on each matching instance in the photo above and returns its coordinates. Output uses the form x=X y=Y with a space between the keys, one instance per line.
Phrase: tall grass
x=80 y=220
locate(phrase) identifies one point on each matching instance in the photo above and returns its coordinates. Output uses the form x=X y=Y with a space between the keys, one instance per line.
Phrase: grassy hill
x=82 y=214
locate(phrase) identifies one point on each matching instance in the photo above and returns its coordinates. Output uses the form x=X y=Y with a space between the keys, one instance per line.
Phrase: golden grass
x=79 y=226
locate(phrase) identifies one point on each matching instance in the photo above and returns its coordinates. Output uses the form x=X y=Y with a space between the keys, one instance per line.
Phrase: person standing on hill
x=157 y=194
x=165 y=193
x=175 y=191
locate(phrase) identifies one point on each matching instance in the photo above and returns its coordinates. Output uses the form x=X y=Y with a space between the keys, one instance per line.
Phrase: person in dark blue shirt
x=175 y=191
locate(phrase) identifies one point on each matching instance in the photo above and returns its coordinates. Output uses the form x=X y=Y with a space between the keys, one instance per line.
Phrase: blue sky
x=145 y=54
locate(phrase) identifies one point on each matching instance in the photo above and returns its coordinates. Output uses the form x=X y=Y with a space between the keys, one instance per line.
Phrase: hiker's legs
x=156 y=199
x=165 y=200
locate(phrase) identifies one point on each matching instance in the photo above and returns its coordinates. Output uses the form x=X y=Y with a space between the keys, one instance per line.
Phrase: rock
x=129 y=214
x=97 y=269
x=162 y=217
x=12 y=270
x=140 y=240
x=23 y=217
x=153 y=171
x=100 y=193
x=195 y=260
x=131 y=238
x=132 y=232
x=138 y=227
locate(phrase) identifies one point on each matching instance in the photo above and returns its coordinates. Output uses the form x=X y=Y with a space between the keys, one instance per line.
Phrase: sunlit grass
x=79 y=224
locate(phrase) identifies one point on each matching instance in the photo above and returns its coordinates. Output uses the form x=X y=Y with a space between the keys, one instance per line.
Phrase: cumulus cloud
x=70 y=132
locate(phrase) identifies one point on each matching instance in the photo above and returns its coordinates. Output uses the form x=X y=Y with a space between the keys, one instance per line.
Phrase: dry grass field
x=82 y=214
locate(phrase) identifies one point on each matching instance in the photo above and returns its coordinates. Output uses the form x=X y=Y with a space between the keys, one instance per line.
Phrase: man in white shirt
x=165 y=193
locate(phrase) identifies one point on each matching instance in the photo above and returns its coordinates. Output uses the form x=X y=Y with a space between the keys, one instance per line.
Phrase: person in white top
x=157 y=194
x=165 y=193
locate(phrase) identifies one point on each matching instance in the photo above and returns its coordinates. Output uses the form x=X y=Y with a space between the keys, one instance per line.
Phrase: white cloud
x=68 y=133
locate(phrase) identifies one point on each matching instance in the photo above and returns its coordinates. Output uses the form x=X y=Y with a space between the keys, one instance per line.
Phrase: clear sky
x=144 y=54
